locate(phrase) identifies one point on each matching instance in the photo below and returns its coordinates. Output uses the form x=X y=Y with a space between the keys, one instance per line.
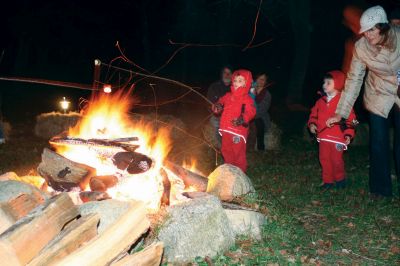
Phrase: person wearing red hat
x=237 y=109
x=332 y=140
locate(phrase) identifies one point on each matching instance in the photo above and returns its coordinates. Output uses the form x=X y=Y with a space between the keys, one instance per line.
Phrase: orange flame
x=192 y=165
x=107 y=117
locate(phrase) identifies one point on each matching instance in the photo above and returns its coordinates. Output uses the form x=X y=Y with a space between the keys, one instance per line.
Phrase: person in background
x=378 y=50
x=215 y=92
x=395 y=16
x=332 y=140
x=262 y=97
x=351 y=19
x=238 y=109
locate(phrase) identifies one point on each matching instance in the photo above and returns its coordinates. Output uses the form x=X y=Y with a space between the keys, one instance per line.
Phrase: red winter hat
x=338 y=79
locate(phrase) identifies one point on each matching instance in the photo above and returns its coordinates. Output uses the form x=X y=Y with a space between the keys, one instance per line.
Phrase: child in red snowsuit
x=237 y=109
x=334 y=140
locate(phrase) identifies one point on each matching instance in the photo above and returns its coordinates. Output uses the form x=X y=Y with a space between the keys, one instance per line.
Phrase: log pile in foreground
x=55 y=233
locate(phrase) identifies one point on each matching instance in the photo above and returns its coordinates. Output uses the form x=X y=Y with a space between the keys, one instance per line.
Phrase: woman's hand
x=333 y=120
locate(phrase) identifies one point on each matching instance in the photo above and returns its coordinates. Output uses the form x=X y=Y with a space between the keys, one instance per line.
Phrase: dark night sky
x=59 y=40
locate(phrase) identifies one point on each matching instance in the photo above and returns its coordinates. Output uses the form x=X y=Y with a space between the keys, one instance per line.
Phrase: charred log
x=189 y=178
x=63 y=174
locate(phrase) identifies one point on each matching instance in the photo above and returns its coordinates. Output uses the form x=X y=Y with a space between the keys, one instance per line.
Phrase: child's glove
x=313 y=129
x=238 y=121
x=217 y=108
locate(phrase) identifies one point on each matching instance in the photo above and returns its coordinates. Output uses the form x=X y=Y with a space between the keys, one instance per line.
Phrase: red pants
x=331 y=159
x=234 y=153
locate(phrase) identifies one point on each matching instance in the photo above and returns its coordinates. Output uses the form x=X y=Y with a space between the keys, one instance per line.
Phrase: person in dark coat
x=262 y=98
x=215 y=92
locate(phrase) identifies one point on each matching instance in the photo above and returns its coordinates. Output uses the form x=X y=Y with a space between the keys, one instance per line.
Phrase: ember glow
x=107 y=117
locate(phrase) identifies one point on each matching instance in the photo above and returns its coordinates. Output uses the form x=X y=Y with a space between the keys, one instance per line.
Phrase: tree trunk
x=300 y=21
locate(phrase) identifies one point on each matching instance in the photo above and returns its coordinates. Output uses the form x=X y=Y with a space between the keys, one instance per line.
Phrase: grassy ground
x=313 y=227
x=305 y=225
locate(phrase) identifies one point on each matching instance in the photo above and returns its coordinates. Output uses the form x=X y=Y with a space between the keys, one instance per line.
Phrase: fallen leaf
x=303 y=259
x=363 y=249
x=351 y=225
x=321 y=252
x=208 y=260
x=316 y=203
x=395 y=250
x=292 y=259
x=283 y=252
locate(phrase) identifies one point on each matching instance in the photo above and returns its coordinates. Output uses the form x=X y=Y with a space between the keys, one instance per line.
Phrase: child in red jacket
x=334 y=140
x=237 y=109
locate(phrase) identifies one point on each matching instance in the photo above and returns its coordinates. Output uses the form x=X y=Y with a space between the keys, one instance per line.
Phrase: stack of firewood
x=52 y=232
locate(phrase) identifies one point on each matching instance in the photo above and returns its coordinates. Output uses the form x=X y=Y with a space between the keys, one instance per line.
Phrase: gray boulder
x=198 y=227
x=108 y=210
x=228 y=182
x=11 y=189
x=272 y=139
x=246 y=222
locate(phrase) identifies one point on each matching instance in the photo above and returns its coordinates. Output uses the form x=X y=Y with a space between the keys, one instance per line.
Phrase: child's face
x=329 y=86
x=239 y=81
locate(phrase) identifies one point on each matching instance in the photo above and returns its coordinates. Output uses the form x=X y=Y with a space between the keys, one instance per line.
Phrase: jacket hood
x=338 y=79
x=245 y=89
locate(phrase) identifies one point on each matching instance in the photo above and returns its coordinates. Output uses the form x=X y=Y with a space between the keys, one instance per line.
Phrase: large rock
x=52 y=124
x=272 y=139
x=108 y=210
x=12 y=189
x=8 y=176
x=246 y=222
x=228 y=182
x=198 y=227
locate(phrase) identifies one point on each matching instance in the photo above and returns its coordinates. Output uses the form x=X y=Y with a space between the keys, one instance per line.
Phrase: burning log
x=123 y=155
x=165 y=198
x=98 y=143
x=115 y=240
x=17 y=208
x=76 y=234
x=150 y=256
x=20 y=243
x=87 y=196
x=189 y=178
x=102 y=183
x=63 y=174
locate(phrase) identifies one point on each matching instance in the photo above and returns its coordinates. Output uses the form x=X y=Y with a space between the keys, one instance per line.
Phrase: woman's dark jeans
x=380 y=181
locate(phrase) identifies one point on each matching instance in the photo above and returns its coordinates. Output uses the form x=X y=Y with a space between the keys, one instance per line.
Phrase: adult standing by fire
x=215 y=92
x=378 y=50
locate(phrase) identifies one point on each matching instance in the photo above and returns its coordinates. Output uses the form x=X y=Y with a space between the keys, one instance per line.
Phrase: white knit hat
x=371 y=17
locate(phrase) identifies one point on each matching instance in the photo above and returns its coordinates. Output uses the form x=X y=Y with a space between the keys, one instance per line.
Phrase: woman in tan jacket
x=378 y=51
